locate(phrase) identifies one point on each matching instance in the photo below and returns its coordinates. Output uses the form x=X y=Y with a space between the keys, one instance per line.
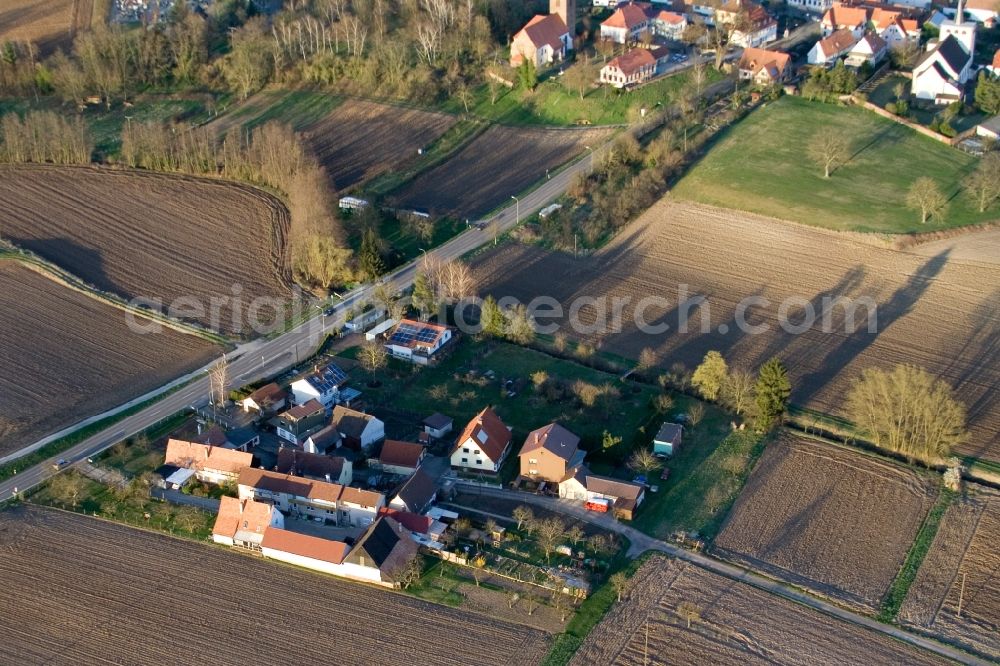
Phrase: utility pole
x=961 y=595
x=645 y=651
x=517 y=212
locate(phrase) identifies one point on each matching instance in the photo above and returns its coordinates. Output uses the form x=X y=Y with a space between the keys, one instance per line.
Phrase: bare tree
x=737 y=391
x=926 y=197
x=373 y=356
x=218 y=378
x=643 y=461
x=67 y=488
x=188 y=518
x=620 y=584
x=689 y=612
x=575 y=534
x=408 y=572
x=696 y=412
x=830 y=149
x=550 y=532
x=531 y=602
x=647 y=359
x=478 y=563
x=983 y=184
x=523 y=515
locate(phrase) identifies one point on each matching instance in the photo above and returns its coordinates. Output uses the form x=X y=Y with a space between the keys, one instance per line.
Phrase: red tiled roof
x=670 y=17
x=204 y=457
x=303 y=410
x=365 y=498
x=545 y=29
x=411 y=521
x=401 y=454
x=755 y=59
x=267 y=394
x=290 y=485
x=840 y=41
x=488 y=432
x=631 y=62
x=303 y=545
x=996 y=60
x=246 y=515
x=840 y=15
x=627 y=16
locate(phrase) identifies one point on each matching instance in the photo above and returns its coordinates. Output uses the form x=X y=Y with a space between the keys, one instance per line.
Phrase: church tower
x=567 y=10
x=960 y=29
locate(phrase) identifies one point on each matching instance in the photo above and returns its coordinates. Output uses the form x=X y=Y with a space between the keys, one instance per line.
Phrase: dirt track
x=937 y=312
x=78 y=590
x=731 y=623
x=65 y=356
x=501 y=162
x=150 y=235
x=834 y=521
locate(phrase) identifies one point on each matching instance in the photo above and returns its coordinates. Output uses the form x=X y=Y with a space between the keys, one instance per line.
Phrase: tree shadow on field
x=83 y=262
x=794 y=527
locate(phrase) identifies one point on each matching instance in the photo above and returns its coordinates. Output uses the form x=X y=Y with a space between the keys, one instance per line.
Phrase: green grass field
x=762 y=165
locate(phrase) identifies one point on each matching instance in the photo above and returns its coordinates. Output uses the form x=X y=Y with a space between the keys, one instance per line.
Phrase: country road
x=265 y=358
x=642 y=542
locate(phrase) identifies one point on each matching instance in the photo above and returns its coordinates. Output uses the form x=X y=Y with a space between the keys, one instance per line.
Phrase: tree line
x=44 y=136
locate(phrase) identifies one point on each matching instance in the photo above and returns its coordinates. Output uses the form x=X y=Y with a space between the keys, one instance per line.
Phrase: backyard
x=762 y=165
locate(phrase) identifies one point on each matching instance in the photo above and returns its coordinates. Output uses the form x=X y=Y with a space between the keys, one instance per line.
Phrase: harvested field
x=140 y=234
x=835 y=521
x=360 y=140
x=981 y=246
x=938 y=312
x=79 y=354
x=965 y=547
x=46 y=23
x=736 y=624
x=500 y=162
x=80 y=590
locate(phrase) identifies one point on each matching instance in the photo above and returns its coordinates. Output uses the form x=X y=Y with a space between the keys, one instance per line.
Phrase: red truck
x=599 y=505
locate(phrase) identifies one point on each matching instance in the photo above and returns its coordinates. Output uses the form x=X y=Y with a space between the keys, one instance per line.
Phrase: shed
x=380 y=329
x=437 y=425
x=668 y=439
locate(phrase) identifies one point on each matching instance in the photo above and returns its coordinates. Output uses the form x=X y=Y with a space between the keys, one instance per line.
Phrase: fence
x=874 y=108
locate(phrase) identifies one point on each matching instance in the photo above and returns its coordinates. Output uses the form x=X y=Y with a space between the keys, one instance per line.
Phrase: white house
x=343 y=506
x=762 y=28
x=989 y=129
x=483 y=445
x=670 y=25
x=983 y=11
x=297 y=424
x=634 y=67
x=545 y=39
x=357 y=430
x=812 y=6
x=945 y=68
x=242 y=523
x=828 y=50
x=417 y=341
x=623 y=498
x=401 y=457
x=268 y=399
x=322 y=385
x=416 y=495
x=627 y=24
x=212 y=464
x=437 y=425
x=332 y=469
x=870 y=49
x=844 y=17
x=894 y=28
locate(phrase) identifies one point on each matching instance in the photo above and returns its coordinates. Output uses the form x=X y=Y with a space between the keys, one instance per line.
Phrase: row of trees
x=764 y=397
x=44 y=136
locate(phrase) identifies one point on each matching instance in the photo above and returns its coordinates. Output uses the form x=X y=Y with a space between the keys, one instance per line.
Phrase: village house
x=546 y=38
x=669 y=25
x=358 y=431
x=483 y=445
x=323 y=441
x=844 y=17
x=989 y=129
x=668 y=439
x=635 y=67
x=761 y=28
x=627 y=24
x=322 y=385
x=416 y=494
x=894 y=27
x=811 y=6
x=303 y=550
x=296 y=424
x=870 y=49
x=242 y=523
x=381 y=552
x=211 y=464
x=601 y=493
x=267 y=400
x=424 y=529
x=417 y=341
x=332 y=469
x=438 y=425
x=828 y=50
x=941 y=74
x=549 y=452
x=401 y=458
x=983 y=11
x=343 y=506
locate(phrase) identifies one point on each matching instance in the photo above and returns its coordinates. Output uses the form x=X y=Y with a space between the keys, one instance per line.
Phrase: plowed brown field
x=65 y=356
x=47 y=23
x=938 y=312
x=965 y=552
x=78 y=590
x=501 y=162
x=836 y=521
x=736 y=624
x=149 y=235
x=360 y=140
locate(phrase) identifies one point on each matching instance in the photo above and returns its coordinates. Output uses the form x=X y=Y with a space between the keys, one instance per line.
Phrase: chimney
x=328 y=478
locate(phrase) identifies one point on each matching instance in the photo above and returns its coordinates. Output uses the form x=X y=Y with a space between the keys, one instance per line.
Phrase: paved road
x=265 y=358
x=641 y=542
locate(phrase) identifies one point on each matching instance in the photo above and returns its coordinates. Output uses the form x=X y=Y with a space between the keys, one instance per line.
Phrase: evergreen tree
x=771 y=393
x=369 y=257
x=491 y=318
x=424 y=298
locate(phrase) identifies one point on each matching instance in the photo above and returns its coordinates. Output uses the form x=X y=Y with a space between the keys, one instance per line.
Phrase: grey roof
x=418 y=490
x=670 y=432
x=241 y=436
x=351 y=423
x=553 y=438
x=953 y=54
x=377 y=543
x=438 y=421
x=993 y=124
x=301 y=463
x=325 y=438
x=613 y=487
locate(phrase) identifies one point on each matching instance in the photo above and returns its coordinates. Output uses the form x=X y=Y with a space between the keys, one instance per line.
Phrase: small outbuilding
x=668 y=439
x=438 y=425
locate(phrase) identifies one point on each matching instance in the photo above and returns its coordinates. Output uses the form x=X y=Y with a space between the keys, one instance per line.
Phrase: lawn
x=297 y=108
x=762 y=165
x=884 y=93
x=552 y=103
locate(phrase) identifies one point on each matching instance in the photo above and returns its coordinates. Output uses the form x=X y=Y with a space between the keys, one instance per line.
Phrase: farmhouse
x=401 y=457
x=761 y=28
x=418 y=493
x=668 y=439
x=634 y=67
x=942 y=72
x=332 y=469
x=483 y=445
x=296 y=424
x=765 y=67
x=545 y=39
x=870 y=49
x=211 y=464
x=829 y=49
x=322 y=441
x=306 y=551
x=621 y=497
x=381 y=552
x=437 y=425
x=330 y=502
x=627 y=24
x=417 y=342
x=322 y=385
x=359 y=431
x=549 y=452
x=242 y=523
x=268 y=399
x=414 y=522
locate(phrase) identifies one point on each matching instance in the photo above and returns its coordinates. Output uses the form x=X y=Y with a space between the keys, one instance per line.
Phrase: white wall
x=471 y=457
x=345 y=570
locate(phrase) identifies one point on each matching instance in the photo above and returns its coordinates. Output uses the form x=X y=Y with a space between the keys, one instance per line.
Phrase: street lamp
x=517 y=209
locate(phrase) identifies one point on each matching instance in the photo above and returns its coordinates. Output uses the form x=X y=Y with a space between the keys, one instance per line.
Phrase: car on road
x=59 y=464
x=329 y=311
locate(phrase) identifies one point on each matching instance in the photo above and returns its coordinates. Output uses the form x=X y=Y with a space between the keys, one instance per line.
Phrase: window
x=465 y=449
x=477 y=452
x=481 y=436
x=465 y=460
x=532 y=461
x=479 y=461
x=532 y=472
